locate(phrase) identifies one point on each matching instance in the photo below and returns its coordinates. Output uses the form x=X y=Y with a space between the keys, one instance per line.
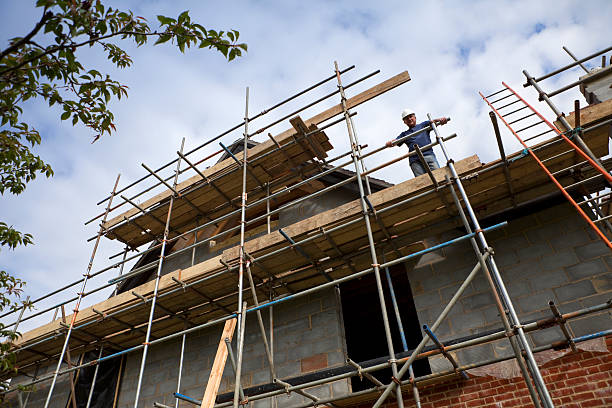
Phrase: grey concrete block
x=546 y=336
x=491 y=314
x=321 y=391
x=335 y=358
x=291 y=400
x=536 y=301
x=467 y=323
x=340 y=388
x=575 y=290
x=518 y=288
x=568 y=239
x=326 y=345
x=512 y=242
x=546 y=280
x=594 y=300
x=603 y=283
x=427 y=300
x=559 y=259
x=586 y=269
x=475 y=353
x=591 y=324
x=538 y=250
x=477 y=301
x=506 y=258
x=592 y=250
x=448 y=292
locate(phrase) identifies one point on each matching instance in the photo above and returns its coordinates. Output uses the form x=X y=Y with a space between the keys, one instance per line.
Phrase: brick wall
x=547 y=255
x=576 y=380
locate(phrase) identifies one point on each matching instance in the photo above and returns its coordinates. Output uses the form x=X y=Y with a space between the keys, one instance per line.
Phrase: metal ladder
x=534 y=122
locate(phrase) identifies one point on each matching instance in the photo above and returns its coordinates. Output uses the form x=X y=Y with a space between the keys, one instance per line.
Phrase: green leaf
x=165 y=20
x=65 y=115
x=184 y=16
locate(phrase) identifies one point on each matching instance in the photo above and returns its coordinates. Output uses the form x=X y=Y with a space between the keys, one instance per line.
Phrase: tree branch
x=46 y=16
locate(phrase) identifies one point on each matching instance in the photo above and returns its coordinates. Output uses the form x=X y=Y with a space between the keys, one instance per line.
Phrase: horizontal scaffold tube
x=281 y=300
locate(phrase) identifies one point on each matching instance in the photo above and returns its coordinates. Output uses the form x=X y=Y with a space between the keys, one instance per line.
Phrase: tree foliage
x=45 y=64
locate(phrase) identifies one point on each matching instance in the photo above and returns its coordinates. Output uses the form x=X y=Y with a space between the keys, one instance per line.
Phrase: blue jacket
x=422 y=139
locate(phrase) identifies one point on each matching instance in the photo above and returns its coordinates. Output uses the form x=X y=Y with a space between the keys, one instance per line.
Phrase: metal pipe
x=498 y=302
x=232 y=129
x=262 y=329
x=366 y=220
x=575 y=59
x=230 y=353
x=242 y=257
x=514 y=320
x=240 y=347
x=502 y=154
x=93 y=381
x=555 y=72
x=442 y=348
x=589 y=154
x=544 y=323
x=400 y=326
x=78 y=303
x=157 y=279
x=594 y=76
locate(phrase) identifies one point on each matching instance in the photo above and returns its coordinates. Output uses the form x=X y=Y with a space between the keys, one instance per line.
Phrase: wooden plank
x=282 y=138
x=589 y=115
x=214 y=380
x=362 y=97
x=351 y=209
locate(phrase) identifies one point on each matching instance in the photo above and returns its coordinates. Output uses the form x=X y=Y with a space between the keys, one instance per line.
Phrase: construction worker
x=421 y=139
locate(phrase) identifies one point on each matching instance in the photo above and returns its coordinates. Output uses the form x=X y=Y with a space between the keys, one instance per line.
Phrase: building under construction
x=279 y=272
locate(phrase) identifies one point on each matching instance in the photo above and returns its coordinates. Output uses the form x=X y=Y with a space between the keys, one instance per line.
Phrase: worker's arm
x=441 y=121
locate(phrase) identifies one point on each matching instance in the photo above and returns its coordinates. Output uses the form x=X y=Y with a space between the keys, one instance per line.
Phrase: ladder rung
x=569 y=168
x=595 y=198
x=519 y=119
x=538 y=135
x=558 y=155
x=495 y=93
x=530 y=126
x=581 y=182
x=516 y=110
x=607 y=217
x=502 y=98
x=508 y=104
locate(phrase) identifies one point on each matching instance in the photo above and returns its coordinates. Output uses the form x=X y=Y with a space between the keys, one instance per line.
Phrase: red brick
x=316 y=362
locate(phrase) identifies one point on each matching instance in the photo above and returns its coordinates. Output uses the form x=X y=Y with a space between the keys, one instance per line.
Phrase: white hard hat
x=407 y=112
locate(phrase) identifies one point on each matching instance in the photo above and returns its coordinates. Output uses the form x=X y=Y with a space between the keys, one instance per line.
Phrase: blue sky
x=451 y=50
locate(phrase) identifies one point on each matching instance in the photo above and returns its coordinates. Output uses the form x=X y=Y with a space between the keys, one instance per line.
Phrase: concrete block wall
x=38 y=392
x=547 y=255
x=307 y=337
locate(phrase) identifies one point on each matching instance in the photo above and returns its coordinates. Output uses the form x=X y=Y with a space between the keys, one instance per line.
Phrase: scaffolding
x=366 y=236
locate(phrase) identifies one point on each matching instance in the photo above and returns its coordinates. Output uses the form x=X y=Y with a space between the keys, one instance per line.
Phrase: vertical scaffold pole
x=503 y=293
x=502 y=313
x=366 y=220
x=242 y=256
x=95 y=376
x=81 y=294
x=400 y=326
x=145 y=349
